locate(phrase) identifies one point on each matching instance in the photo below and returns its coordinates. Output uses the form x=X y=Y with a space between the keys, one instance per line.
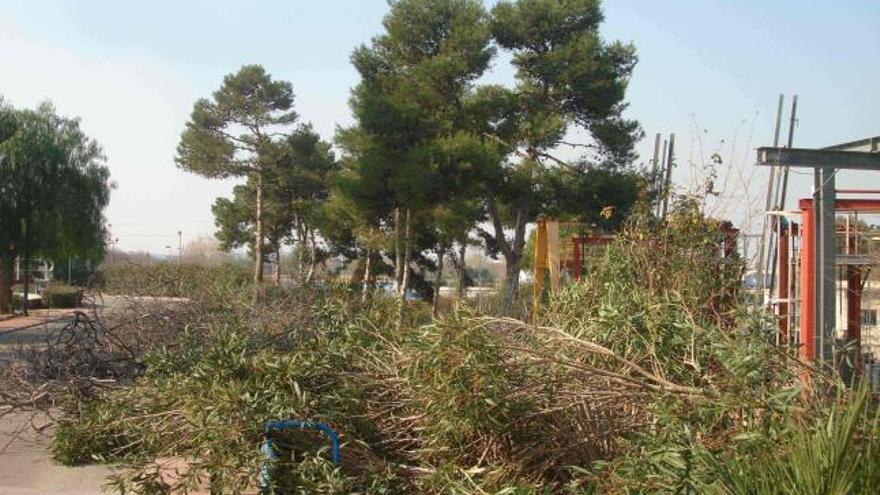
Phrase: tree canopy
x=233 y=134
x=54 y=186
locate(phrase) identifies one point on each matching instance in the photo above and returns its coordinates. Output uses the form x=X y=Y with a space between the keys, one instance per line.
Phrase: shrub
x=17 y=302
x=62 y=296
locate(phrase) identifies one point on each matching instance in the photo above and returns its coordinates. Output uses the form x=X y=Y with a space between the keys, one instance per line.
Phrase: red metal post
x=808 y=282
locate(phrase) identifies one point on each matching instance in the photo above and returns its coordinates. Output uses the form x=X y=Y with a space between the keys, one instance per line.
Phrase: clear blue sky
x=710 y=71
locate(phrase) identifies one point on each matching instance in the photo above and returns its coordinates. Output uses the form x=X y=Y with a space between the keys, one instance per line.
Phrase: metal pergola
x=819 y=250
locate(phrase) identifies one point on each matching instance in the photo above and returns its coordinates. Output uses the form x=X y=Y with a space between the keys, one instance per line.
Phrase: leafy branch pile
x=626 y=387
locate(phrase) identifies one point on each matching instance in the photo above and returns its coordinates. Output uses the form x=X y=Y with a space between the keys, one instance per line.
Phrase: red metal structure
x=808 y=278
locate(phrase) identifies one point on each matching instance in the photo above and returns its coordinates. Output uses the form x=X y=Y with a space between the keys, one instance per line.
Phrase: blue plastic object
x=268 y=448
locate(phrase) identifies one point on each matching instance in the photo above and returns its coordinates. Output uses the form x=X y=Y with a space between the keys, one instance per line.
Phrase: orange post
x=808 y=282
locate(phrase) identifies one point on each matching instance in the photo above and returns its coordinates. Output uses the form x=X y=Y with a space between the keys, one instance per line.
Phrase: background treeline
x=436 y=160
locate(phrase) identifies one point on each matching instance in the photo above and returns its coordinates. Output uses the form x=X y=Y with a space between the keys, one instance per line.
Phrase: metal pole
x=826 y=263
x=791 y=125
x=782 y=185
x=762 y=282
x=179 y=247
x=655 y=162
x=668 y=181
x=784 y=289
x=659 y=179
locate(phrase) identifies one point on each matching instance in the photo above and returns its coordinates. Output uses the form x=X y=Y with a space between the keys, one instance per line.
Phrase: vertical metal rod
x=782 y=185
x=784 y=290
x=659 y=179
x=655 y=162
x=792 y=122
x=668 y=181
x=762 y=282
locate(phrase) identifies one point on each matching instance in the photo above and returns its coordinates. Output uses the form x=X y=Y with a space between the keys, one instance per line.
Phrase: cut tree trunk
x=441 y=253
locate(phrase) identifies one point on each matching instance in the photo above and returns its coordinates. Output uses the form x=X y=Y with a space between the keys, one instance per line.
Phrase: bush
x=17 y=302
x=62 y=296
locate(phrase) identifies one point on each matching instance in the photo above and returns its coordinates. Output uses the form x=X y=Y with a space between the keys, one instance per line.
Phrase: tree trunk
x=512 y=252
x=5 y=287
x=405 y=269
x=300 y=253
x=441 y=253
x=278 y=265
x=258 y=235
x=511 y=285
x=313 y=256
x=398 y=253
x=365 y=290
x=24 y=276
x=406 y=256
x=462 y=271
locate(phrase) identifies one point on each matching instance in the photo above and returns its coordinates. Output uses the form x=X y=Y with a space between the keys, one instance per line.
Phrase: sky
x=710 y=71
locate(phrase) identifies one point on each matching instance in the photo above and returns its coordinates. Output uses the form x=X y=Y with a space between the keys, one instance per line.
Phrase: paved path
x=26 y=467
x=36 y=317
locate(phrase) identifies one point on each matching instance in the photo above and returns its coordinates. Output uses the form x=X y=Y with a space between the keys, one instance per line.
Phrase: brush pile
x=647 y=377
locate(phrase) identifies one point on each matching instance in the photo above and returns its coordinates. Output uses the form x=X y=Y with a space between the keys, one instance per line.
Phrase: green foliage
x=231 y=135
x=54 y=186
x=62 y=296
x=836 y=454
x=565 y=66
x=247 y=102
x=626 y=387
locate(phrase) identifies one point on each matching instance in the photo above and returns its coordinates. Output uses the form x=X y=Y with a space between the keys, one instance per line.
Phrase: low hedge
x=62 y=296
x=16 y=302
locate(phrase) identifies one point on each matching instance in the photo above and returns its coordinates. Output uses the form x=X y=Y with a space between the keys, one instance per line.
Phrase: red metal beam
x=866 y=205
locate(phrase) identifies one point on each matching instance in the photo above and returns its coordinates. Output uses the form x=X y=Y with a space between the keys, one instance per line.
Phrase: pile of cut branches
x=630 y=384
